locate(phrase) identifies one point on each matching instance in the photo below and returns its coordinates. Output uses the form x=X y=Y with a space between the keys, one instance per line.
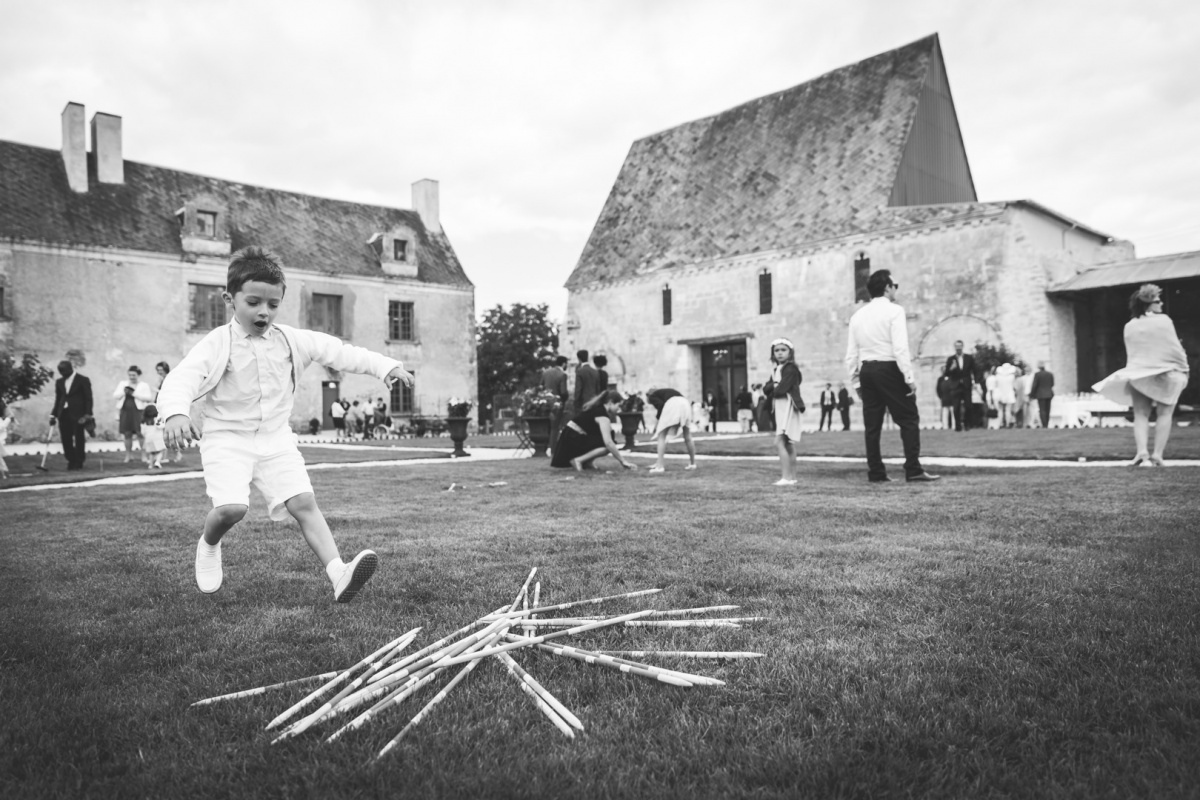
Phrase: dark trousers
x=1044 y=410
x=845 y=418
x=557 y=421
x=884 y=389
x=960 y=402
x=826 y=418
x=72 y=439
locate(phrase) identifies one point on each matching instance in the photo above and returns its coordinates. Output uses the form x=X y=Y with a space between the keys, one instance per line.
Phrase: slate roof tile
x=809 y=163
x=36 y=204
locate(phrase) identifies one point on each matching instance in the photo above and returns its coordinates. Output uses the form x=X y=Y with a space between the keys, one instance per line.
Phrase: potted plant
x=536 y=407
x=457 y=418
x=631 y=417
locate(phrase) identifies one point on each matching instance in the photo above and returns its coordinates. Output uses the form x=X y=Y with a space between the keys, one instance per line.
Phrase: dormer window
x=206 y=223
x=204 y=226
x=397 y=251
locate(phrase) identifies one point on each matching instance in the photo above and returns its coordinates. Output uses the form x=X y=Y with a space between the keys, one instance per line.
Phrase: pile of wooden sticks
x=384 y=679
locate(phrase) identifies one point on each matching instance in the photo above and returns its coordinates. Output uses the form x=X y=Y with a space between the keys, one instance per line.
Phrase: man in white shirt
x=881 y=371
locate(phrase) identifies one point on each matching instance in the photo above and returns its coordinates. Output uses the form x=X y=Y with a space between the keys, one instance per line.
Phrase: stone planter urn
x=458 y=434
x=539 y=434
x=630 y=420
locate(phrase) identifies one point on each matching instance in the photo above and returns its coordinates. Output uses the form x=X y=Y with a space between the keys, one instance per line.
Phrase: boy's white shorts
x=270 y=462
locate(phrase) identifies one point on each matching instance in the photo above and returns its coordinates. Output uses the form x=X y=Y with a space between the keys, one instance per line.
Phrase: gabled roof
x=820 y=160
x=36 y=204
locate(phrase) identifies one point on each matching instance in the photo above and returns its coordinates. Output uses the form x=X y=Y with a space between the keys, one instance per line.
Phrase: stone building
x=121 y=263
x=765 y=220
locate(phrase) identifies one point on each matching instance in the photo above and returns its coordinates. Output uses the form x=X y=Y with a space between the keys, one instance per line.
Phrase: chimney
x=74 y=147
x=106 y=148
x=425 y=203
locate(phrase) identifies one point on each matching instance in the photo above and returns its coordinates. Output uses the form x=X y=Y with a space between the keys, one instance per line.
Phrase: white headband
x=784 y=342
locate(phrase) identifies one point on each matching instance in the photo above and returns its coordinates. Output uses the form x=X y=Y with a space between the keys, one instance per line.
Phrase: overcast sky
x=524 y=110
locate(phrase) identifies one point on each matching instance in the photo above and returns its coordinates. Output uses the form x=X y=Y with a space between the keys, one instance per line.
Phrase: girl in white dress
x=784 y=391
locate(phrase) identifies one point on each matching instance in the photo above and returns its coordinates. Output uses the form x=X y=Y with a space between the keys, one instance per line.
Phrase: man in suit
x=1042 y=389
x=960 y=369
x=828 y=404
x=554 y=379
x=72 y=412
x=843 y=404
x=587 y=381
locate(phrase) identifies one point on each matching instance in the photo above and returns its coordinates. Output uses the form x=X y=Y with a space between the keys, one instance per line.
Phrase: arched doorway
x=936 y=345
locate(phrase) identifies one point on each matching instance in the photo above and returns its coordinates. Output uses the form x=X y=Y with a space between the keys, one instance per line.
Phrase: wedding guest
x=589 y=436
x=132 y=395
x=784 y=391
x=1155 y=373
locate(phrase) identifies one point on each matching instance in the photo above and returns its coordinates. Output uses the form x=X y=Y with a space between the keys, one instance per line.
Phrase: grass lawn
x=1004 y=633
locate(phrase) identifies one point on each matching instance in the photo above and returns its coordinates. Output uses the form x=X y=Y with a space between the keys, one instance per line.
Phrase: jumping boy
x=248 y=372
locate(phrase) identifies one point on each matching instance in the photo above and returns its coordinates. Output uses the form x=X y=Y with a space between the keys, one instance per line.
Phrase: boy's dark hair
x=561 y=361
x=879 y=281
x=600 y=361
x=149 y=414
x=582 y=355
x=253 y=264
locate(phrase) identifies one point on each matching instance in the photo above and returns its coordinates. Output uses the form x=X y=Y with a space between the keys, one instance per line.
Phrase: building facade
x=765 y=220
x=114 y=263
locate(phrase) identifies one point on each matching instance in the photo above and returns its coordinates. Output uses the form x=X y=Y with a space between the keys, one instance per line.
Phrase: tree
x=993 y=355
x=21 y=380
x=512 y=348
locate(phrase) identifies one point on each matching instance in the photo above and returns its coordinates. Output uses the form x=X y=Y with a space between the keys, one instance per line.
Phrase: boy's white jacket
x=203 y=367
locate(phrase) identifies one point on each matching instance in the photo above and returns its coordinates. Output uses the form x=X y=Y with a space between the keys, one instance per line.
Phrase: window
x=764 y=292
x=666 y=305
x=400 y=249
x=400 y=321
x=206 y=223
x=862 y=271
x=327 y=313
x=207 y=308
x=3 y=308
x=402 y=398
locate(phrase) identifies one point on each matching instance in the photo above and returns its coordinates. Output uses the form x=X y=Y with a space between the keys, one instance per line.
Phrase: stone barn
x=765 y=220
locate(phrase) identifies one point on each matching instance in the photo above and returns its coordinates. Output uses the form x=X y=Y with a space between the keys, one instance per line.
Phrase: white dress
x=1156 y=364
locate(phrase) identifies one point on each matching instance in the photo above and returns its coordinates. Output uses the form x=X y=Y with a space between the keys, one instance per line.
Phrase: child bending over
x=248 y=372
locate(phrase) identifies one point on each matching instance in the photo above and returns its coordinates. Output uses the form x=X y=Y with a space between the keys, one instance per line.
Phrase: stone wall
x=132 y=308
x=981 y=278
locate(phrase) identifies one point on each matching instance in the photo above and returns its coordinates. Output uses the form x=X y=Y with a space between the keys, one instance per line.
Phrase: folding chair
x=522 y=434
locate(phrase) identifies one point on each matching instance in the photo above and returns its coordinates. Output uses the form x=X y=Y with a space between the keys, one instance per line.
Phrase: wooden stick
x=473 y=662
x=424 y=651
x=687 y=676
x=567 y=622
x=307 y=722
x=324 y=676
x=680 y=653
x=539 y=692
x=574 y=603
x=662 y=677
x=286 y=715
x=523 y=642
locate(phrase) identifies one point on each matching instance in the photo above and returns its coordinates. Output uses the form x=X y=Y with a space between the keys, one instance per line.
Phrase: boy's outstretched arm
x=179 y=430
x=399 y=374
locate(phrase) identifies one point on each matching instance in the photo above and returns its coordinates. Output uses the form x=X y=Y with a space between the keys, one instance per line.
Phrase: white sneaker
x=208 y=568
x=657 y=469
x=784 y=482
x=690 y=466
x=355 y=576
